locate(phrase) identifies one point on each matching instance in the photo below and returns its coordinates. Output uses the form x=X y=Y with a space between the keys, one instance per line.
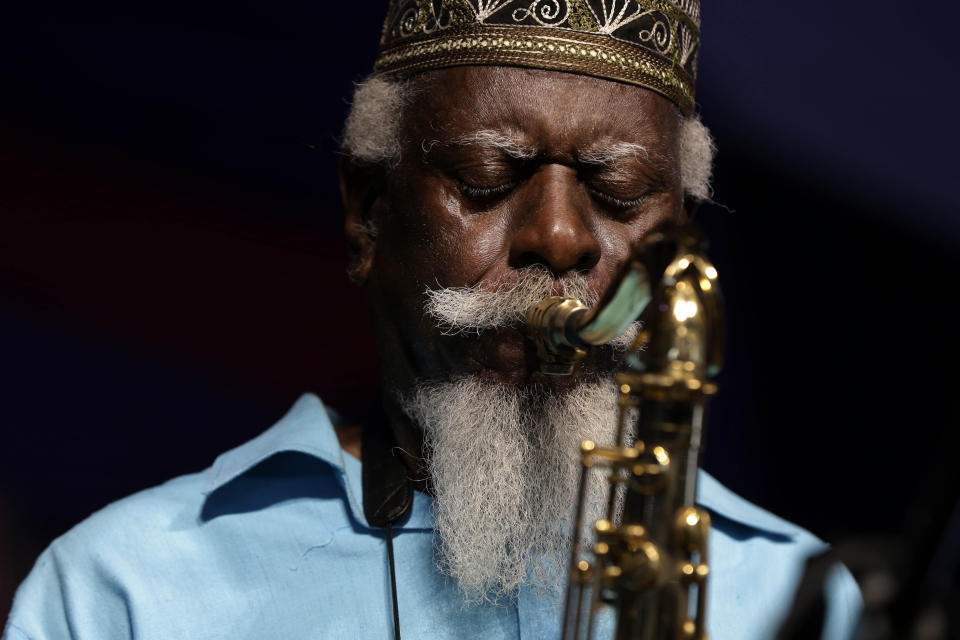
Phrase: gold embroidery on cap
x=650 y=43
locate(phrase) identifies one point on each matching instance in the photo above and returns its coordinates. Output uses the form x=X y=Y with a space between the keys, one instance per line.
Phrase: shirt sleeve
x=65 y=597
x=39 y=610
x=844 y=605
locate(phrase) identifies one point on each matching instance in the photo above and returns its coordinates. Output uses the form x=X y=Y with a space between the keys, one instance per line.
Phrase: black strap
x=387 y=493
x=393 y=583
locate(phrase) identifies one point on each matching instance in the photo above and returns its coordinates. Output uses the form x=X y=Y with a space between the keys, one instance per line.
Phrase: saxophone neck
x=683 y=331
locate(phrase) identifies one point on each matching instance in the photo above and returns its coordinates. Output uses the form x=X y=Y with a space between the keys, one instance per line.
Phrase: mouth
x=506 y=354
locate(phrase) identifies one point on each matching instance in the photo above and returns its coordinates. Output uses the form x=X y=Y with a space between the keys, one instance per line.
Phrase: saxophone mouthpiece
x=564 y=328
x=553 y=324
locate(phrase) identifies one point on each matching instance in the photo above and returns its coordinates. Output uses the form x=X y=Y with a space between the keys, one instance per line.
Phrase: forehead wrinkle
x=521 y=104
x=598 y=117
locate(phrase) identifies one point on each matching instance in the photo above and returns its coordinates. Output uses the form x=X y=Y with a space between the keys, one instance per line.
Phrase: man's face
x=502 y=169
x=505 y=172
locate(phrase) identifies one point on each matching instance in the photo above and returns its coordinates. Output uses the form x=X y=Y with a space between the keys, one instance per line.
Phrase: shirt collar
x=721 y=501
x=307 y=428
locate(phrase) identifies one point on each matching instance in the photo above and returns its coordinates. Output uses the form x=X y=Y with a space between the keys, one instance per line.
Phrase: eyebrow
x=616 y=152
x=487 y=138
x=600 y=155
x=612 y=153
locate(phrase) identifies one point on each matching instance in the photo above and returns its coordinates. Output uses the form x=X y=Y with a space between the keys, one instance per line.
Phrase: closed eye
x=485 y=193
x=614 y=201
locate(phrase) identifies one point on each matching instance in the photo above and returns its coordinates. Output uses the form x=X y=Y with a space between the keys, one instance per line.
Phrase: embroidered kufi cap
x=648 y=43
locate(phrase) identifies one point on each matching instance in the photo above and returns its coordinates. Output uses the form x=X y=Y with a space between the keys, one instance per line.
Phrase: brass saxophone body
x=649 y=557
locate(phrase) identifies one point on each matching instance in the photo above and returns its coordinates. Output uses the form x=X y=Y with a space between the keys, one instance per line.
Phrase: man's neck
x=349 y=436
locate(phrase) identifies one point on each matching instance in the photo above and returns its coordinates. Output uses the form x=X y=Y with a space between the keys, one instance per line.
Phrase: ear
x=362 y=191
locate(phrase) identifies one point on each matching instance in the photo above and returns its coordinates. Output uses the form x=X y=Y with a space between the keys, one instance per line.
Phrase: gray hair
x=372 y=133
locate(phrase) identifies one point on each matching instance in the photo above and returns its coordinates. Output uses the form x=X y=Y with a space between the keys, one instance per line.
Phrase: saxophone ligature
x=649 y=558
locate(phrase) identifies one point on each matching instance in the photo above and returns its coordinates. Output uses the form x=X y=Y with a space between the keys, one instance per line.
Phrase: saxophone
x=649 y=557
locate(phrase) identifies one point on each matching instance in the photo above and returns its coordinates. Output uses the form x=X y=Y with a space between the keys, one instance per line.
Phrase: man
x=503 y=151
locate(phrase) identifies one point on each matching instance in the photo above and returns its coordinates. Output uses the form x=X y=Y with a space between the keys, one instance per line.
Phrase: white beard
x=504 y=462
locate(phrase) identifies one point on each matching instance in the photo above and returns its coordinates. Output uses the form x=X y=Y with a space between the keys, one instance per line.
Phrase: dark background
x=172 y=262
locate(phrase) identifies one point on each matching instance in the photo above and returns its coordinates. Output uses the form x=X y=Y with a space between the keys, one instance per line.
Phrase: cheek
x=617 y=239
x=441 y=243
x=471 y=247
x=662 y=207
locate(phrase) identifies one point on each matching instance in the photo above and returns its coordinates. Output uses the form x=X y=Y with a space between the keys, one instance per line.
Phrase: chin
x=527 y=373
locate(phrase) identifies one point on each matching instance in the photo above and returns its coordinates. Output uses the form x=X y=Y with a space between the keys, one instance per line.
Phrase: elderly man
x=502 y=152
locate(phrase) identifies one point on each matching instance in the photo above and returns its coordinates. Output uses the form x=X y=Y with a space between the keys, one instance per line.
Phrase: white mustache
x=462 y=310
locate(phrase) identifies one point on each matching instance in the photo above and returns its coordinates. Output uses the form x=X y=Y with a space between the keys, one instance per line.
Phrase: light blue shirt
x=271 y=542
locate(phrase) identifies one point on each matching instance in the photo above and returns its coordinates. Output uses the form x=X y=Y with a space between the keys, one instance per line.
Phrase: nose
x=554 y=228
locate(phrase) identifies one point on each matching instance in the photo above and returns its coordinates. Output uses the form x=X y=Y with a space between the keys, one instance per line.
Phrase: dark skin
x=458 y=212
